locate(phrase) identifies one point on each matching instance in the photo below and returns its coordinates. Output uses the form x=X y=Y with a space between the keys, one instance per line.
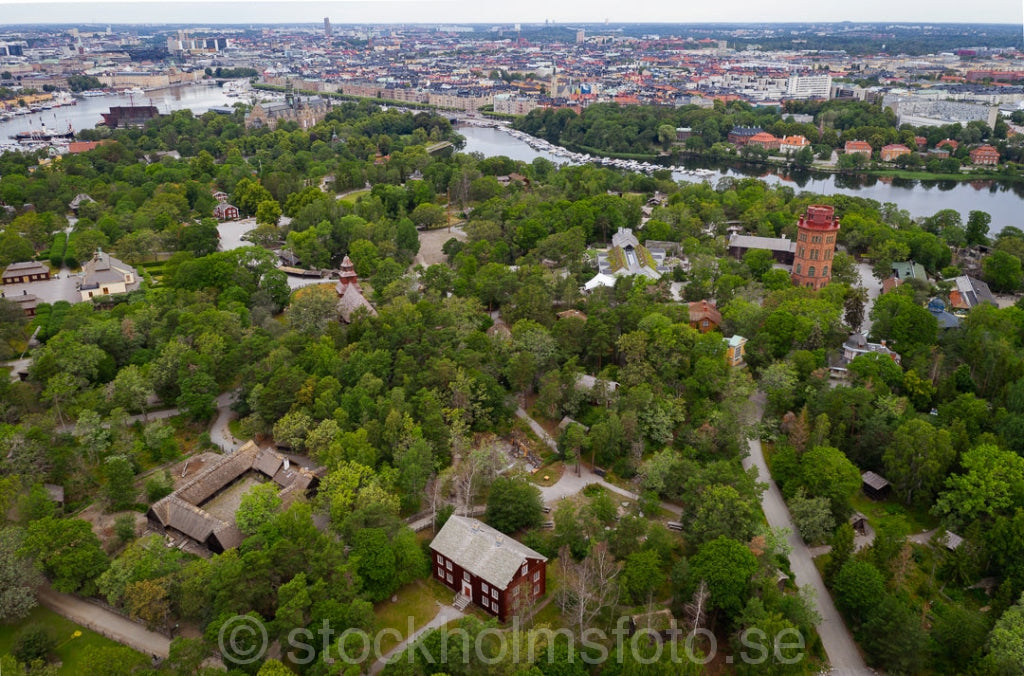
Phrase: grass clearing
x=354 y=196
x=69 y=648
x=418 y=600
x=548 y=475
x=876 y=511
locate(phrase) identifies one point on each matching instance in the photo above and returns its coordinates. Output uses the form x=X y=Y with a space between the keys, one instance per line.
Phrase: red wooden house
x=225 y=212
x=486 y=567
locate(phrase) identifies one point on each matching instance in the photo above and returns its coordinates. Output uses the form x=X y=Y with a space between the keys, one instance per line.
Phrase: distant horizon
x=530 y=12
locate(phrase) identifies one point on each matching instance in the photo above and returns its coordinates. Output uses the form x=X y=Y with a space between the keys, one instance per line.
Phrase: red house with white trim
x=225 y=212
x=487 y=567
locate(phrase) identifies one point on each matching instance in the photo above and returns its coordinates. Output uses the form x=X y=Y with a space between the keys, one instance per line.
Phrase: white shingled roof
x=482 y=551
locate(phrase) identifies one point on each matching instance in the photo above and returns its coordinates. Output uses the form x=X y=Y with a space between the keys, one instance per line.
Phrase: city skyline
x=527 y=11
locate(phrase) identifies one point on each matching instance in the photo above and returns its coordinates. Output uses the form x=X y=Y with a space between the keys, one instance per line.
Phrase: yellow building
x=735 y=350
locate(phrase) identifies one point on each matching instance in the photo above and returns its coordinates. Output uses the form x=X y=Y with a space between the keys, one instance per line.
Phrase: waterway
x=1002 y=201
x=88 y=112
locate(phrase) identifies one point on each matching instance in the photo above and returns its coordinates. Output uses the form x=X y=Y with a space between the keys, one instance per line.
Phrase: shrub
x=34 y=642
x=441 y=518
x=513 y=504
x=159 y=485
x=124 y=527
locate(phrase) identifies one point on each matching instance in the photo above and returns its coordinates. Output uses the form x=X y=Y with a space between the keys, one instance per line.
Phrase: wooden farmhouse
x=486 y=567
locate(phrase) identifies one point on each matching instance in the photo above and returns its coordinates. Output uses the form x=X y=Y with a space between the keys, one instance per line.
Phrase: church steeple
x=346 y=276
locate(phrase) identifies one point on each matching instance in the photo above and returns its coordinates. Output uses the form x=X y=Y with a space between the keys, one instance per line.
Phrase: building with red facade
x=862 y=147
x=764 y=140
x=985 y=155
x=815 y=247
x=740 y=136
x=486 y=567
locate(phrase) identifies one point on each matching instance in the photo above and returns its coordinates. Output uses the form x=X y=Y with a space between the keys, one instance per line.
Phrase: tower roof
x=819 y=217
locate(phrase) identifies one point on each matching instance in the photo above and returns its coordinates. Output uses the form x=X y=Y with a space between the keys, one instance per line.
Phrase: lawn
x=417 y=600
x=69 y=650
x=918 y=520
x=549 y=475
x=354 y=196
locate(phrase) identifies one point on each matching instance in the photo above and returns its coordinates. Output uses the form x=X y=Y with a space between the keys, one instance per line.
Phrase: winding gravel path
x=842 y=651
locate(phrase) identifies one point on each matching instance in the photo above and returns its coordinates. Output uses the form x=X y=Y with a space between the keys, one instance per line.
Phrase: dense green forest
x=409 y=410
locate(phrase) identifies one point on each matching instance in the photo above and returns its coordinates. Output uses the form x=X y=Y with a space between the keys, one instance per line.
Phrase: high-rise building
x=809 y=86
x=327 y=27
x=815 y=246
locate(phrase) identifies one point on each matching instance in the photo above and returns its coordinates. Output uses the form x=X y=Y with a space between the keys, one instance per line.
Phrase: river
x=89 y=111
x=1002 y=201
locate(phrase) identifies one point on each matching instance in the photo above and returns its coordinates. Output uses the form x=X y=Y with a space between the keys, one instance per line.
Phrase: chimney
x=287 y=464
x=499 y=540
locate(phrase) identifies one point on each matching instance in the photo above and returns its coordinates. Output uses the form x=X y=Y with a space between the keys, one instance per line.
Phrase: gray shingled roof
x=180 y=510
x=25 y=267
x=767 y=243
x=104 y=269
x=482 y=551
x=874 y=480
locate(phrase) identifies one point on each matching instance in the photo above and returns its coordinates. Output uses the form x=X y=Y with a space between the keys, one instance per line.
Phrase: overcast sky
x=504 y=11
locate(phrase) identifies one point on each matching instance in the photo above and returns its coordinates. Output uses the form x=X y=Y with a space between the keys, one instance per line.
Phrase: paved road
x=445 y=614
x=219 y=432
x=570 y=483
x=105 y=622
x=220 y=435
x=874 y=289
x=840 y=647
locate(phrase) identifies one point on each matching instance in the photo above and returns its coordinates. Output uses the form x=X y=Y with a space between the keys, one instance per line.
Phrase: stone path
x=842 y=651
x=220 y=435
x=105 y=622
x=570 y=483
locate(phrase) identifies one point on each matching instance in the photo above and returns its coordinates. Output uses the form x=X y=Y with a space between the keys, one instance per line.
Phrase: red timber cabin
x=487 y=567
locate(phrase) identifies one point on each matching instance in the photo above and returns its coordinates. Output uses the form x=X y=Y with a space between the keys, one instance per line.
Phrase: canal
x=1002 y=201
x=88 y=112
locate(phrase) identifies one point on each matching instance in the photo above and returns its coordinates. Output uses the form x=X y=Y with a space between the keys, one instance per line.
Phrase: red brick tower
x=815 y=246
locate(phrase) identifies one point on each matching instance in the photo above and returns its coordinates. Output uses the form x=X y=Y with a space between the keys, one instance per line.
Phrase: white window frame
x=484 y=589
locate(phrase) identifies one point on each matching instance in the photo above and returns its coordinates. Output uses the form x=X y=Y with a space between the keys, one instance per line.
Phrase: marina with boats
x=568 y=156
